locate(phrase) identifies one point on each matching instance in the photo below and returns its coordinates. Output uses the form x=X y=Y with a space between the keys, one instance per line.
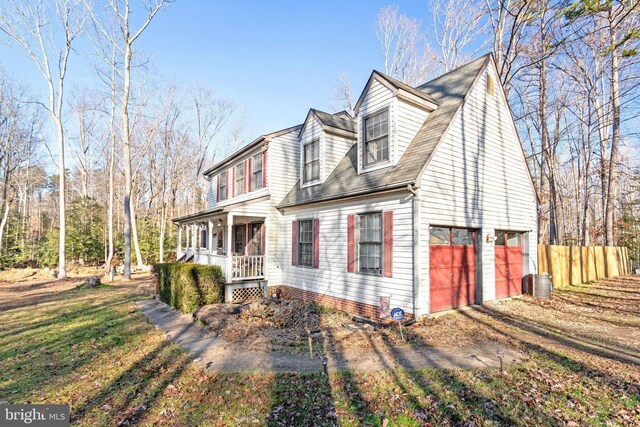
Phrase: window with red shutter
x=387 y=268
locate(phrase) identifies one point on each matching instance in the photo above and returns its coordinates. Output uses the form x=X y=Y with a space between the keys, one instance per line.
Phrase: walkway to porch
x=234 y=243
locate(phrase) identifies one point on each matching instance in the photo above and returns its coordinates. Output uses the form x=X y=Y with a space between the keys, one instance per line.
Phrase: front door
x=256 y=236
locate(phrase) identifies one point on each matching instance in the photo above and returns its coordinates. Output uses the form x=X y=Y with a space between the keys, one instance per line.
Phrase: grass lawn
x=93 y=350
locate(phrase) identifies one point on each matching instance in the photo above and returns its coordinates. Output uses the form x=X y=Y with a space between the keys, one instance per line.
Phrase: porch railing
x=248 y=267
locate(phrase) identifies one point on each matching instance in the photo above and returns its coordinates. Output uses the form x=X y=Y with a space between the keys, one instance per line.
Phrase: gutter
x=415 y=217
x=393 y=187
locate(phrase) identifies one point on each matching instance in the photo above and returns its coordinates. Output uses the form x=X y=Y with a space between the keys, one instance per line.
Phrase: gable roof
x=331 y=122
x=263 y=138
x=449 y=91
x=394 y=85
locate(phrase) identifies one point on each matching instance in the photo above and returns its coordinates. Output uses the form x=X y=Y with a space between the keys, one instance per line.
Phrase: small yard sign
x=397 y=314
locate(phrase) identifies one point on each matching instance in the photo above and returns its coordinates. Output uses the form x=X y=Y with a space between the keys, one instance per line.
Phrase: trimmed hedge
x=187 y=286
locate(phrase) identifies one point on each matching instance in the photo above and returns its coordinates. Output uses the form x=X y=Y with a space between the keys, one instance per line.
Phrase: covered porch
x=235 y=242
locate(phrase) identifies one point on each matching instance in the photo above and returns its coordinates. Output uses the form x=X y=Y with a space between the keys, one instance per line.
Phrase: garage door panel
x=452 y=275
x=509 y=271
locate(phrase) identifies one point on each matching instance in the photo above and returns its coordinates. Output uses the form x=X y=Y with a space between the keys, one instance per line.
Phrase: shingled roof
x=449 y=92
x=336 y=121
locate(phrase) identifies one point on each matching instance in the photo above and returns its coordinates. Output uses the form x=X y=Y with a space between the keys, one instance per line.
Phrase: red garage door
x=508 y=264
x=452 y=267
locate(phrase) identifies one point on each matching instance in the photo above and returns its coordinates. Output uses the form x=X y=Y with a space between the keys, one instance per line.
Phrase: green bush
x=187 y=286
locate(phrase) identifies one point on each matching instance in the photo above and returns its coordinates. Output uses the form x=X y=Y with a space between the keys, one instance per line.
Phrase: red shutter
x=351 y=240
x=264 y=168
x=218 y=190
x=245 y=166
x=233 y=181
x=387 y=266
x=316 y=243
x=294 y=242
x=249 y=173
x=263 y=237
x=226 y=187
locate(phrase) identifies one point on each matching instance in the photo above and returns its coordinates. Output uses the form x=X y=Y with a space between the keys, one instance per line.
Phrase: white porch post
x=194 y=237
x=196 y=231
x=229 y=273
x=179 y=250
x=187 y=232
x=266 y=249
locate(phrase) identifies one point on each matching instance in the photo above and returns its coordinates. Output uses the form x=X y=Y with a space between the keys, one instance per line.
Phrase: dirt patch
x=299 y=327
x=602 y=317
x=25 y=287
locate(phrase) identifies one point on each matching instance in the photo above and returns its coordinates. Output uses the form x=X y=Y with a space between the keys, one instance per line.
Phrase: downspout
x=415 y=218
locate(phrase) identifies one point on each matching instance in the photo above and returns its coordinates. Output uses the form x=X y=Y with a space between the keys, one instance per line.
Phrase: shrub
x=187 y=286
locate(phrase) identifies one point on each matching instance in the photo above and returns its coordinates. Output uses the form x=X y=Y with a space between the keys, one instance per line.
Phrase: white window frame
x=257 y=174
x=300 y=243
x=305 y=163
x=238 y=185
x=359 y=242
x=222 y=185
x=365 y=141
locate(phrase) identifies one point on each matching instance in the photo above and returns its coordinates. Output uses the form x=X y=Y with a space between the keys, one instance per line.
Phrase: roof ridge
x=250 y=145
x=453 y=70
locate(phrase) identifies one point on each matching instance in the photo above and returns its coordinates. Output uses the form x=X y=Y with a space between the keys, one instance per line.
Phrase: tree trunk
x=5 y=216
x=609 y=217
x=136 y=245
x=112 y=157
x=126 y=142
x=62 y=270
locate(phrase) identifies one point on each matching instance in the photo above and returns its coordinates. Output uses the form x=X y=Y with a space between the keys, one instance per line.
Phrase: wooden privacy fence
x=580 y=264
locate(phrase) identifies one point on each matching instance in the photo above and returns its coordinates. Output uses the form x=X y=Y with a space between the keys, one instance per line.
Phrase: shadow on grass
x=503 y=322
x=136 y=389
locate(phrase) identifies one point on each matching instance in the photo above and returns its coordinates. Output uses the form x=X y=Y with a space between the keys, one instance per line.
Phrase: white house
x=424 y=197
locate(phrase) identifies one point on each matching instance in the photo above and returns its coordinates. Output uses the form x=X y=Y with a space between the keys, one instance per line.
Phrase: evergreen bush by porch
x=187 y=286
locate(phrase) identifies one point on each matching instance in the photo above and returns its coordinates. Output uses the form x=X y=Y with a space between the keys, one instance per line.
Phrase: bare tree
x=343 y=93
x=19 y=126
x=85 y=150
x=458 y=29
x=121 y=13
x=45 y=32
x=403 y=46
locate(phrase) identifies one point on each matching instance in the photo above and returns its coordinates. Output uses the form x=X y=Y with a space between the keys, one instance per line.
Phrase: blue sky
x=276 y=59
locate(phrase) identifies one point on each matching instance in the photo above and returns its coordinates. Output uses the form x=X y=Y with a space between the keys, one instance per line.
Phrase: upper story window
x=222 y=186
x=370 y=243
x=239 y=184
x=311 y=161
x=256 y=182
x=376 y=138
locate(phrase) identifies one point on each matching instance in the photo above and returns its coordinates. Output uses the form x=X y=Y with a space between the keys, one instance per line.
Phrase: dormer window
x=376 y=138
x=311 y=161
x=239 y=186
